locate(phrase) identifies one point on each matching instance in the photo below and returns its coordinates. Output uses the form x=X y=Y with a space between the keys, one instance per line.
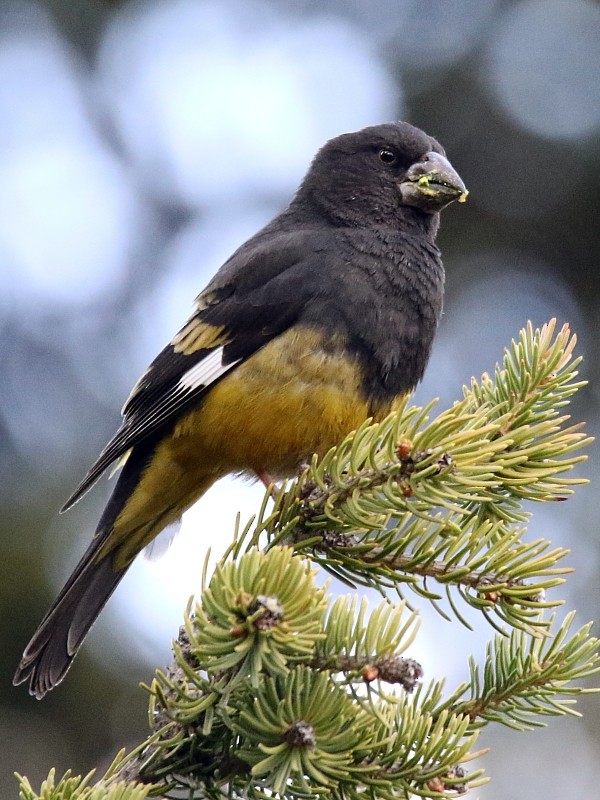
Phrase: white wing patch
x=206 y=371
x=144 y=418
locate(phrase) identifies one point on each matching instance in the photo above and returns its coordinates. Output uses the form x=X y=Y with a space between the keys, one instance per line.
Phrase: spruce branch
x=277 y=688
x=411 y=501
x=71 y=787
x=526 y=677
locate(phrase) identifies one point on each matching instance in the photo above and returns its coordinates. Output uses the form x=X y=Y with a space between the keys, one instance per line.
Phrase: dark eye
x=387 y=156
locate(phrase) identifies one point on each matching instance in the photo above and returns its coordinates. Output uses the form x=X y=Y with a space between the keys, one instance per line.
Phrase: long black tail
x=54 y=645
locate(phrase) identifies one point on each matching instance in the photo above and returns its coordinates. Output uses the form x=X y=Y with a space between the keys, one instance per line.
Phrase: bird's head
x=377 y=173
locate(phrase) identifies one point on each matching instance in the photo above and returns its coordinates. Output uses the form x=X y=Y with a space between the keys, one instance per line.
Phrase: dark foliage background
x=139 y=144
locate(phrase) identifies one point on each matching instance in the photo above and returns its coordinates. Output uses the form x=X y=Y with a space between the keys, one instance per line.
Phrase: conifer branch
x=409 y=499
x=525 y=678
x=278 y=688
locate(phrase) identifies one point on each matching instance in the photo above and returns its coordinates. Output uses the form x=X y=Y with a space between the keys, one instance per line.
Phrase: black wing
x=258 y=293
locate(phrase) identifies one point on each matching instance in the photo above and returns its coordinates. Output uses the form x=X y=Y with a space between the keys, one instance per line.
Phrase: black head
x=386 y=174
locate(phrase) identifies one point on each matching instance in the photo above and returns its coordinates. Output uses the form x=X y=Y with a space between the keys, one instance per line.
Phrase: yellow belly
x=295 y=397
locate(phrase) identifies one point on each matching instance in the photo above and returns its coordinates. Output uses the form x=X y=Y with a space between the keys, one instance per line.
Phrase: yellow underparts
x=293 y=398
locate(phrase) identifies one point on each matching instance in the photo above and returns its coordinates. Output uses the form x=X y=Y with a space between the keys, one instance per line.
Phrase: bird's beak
x=432 y=183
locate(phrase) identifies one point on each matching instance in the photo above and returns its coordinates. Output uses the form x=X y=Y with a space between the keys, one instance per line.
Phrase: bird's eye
x=387 y=156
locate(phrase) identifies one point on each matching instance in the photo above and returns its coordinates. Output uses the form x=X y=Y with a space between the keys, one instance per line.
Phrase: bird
x=321 y=320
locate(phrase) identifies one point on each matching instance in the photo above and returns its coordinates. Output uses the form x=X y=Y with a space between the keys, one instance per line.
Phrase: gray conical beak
x=432 y=183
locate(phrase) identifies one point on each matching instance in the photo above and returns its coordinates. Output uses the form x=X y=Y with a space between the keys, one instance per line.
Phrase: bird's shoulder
x=257 y=292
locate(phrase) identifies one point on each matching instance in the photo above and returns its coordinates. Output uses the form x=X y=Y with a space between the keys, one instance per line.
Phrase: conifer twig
x=278 y=688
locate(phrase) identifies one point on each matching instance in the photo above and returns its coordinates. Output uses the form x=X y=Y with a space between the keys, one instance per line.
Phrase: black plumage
x=326 y=316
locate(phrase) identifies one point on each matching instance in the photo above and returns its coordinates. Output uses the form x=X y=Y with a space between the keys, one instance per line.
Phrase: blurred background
x=140 y=143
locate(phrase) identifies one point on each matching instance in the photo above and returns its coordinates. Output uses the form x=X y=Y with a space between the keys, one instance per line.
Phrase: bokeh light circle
x=213 y=99
x=543 y=66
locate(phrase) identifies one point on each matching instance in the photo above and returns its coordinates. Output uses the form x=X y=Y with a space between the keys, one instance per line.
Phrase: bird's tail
x=54 y=645
x=152 y=491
